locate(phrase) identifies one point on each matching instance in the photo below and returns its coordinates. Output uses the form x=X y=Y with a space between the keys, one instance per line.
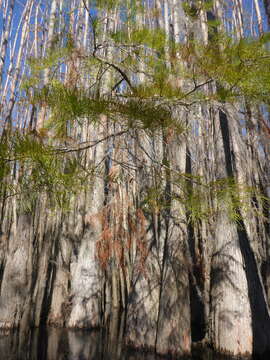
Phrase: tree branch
x=88 y=146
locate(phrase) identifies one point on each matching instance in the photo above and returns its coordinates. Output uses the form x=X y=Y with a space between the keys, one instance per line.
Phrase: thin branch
x=121 y=72
x=88 y=146
x=196 y=87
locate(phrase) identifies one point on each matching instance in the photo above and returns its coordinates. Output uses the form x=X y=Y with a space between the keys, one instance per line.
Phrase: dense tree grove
x=134 y=166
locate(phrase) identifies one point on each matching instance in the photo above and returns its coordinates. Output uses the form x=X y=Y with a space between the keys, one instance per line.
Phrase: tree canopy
x=135 y=77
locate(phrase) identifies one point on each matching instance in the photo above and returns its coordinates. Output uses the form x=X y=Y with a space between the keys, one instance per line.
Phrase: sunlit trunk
x=132 y=251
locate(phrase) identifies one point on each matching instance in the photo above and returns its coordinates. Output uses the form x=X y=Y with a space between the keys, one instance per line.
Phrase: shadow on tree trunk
x=259 y=309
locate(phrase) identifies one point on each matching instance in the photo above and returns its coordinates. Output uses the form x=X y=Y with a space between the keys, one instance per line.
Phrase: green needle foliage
x=152 y=39
x=40 y=170
x=175 y=75
x=241 y=68
x=73 y=105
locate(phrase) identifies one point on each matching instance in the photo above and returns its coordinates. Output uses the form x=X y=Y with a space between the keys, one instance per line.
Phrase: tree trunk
x=230 y=312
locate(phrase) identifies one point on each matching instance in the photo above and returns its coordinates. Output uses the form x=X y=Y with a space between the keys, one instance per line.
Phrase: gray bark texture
x=166 y=243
